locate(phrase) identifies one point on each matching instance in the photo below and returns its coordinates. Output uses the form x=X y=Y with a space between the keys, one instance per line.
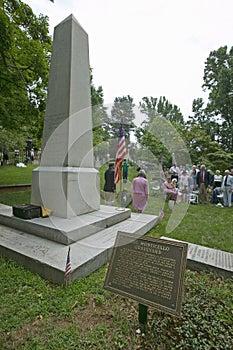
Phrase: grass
x=12 y=175
x=206 y=225
x=38 y=315
x=35 y=314
x=15 y=198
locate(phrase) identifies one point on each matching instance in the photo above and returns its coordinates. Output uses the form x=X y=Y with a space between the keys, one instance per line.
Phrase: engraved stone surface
x=203 y=258
x=148 y=270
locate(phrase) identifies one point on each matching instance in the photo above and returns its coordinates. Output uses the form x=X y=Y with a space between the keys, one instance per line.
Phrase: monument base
x=67 y=191
x=65 y=231
x=47 y=257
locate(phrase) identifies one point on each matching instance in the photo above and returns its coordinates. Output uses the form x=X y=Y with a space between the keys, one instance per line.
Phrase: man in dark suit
x=203 y=182
x=109 y=185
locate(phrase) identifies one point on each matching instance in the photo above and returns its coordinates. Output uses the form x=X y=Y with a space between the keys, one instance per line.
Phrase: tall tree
x=152 y=107
x=205 y=120
x=100 y=118
x=25 y=49
x=218 y=80
x=159 y=113
x=149 y=141
x=122 y=110
x=203 y=149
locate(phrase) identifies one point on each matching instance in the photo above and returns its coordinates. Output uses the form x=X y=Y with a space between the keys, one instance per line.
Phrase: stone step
x=201 y=258
x=48 y=258
x=65 y=231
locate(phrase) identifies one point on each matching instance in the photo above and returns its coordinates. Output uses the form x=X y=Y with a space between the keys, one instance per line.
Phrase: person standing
x=217 y=184
x=184 y=185
x=125 y=171
x=32 y=155
x=193 y=178
x=227 y=188
x=109 y=185
x=5 y=158
x=232 y=191
x=143 y=171
x=175 y=172
x=140 y=190
x=203 y=182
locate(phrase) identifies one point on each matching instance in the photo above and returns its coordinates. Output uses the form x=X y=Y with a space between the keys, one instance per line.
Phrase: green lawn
x=35 y=314
x=12 y=175
x=206 y=225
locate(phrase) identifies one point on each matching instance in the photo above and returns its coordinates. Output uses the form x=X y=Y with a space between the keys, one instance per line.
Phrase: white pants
x=227 y=196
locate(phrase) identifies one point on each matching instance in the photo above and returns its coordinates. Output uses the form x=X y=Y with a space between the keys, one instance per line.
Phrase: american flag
x=68 y=265
x=120 y=154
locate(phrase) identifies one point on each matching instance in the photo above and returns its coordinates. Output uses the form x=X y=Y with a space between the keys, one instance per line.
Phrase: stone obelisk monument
x=66 y=181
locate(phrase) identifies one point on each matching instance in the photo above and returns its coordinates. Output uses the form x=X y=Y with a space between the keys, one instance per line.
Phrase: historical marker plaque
x=148 y=270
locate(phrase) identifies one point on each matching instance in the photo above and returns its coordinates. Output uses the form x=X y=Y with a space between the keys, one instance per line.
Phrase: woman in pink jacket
x=140 y=189
x=170 y=189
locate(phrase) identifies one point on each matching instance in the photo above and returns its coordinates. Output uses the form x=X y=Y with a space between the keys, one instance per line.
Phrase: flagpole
x=121 y=185
x=121 y=188
x=66 y=281
x=121 y=177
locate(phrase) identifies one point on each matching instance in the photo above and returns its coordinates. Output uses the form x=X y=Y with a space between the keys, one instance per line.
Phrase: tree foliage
x=148 y=141
x=25 y=48
x=218 y=81
x=150 y=134
x=208 y=133
x=122 y=110
x=205 y=120
x=100 y=119
x=151 y=107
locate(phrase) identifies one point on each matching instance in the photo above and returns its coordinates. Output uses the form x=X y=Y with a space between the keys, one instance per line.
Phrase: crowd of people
x=178 y=184
x=208 y=187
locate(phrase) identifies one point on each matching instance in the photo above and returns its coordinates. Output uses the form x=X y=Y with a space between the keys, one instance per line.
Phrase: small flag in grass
x=68 y=265
x=161 y=214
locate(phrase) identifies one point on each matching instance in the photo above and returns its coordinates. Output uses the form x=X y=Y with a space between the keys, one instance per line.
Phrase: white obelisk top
x=71 y=17
x=67 y=136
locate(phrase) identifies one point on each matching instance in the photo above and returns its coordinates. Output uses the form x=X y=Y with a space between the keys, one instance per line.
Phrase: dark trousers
x=203 y=194
x=215 y=193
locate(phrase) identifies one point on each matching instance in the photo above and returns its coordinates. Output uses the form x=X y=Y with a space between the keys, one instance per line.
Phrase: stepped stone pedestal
x=41 y=244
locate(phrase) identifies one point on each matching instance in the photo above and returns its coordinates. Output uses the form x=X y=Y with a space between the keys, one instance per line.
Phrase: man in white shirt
x=227 y=188
x=175 y=172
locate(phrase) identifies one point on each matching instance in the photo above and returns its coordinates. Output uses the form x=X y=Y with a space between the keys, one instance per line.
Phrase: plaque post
x=142 y=314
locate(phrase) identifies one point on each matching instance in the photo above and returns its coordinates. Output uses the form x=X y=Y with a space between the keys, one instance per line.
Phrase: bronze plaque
x=148 y=270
